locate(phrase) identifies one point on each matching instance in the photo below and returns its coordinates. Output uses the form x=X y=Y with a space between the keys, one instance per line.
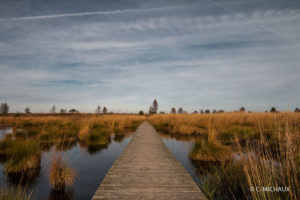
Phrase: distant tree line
x=207 y=111
x=153 y=109
x=98 y=110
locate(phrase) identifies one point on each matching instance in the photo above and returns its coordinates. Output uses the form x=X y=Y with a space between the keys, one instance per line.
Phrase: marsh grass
x=240 y=124
x=21 y=151
x=65 y=144
x=269 y=168
x=267 y=145
x=6 y=145
x=85 y=129
x=24 y=156
x=92 y=129
x=242 y=133
x=61 y=175
x=224 y=180
x=14 y=193
x=210 y=151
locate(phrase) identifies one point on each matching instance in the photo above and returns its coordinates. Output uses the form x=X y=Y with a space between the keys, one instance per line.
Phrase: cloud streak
x=113 y=12
x=268 y=29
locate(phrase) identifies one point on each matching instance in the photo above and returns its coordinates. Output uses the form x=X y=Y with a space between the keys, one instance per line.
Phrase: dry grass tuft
x=61 y=175
x=14 y=193
x=273 y=165
x=85 y=129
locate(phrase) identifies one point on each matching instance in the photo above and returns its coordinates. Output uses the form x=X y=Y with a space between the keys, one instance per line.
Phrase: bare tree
x=195 y=112
x=201 y=111
x=207 y=111
x=104 y=110
x=27 y=110
x=63 y=110
x=52 y=109
x=242 y=109
x=173 y=111
x=297 y=110
x=151 y=110
x=154 y=108
x=4 y=108
x=98 y=110
x=180 y=110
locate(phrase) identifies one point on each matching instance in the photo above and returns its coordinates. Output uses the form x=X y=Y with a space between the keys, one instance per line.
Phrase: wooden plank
x=147 y=170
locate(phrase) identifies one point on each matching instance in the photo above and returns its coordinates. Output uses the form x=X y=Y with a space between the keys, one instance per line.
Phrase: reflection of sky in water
x=90 y=169
x=181 y=149
x=4 y=131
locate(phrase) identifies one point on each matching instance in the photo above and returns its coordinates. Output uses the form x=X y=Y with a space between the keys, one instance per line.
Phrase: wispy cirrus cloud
x=80 y=14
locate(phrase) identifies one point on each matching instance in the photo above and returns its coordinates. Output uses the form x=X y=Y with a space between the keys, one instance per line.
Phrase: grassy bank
x=83 y=127
x=64 y=131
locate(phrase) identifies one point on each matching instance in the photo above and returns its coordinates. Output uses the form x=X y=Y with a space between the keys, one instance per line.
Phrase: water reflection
x=23 y=178
x=93 y=149
x=181 y=149
x=66 y=194
x=119 y=138
x=46 y=145
x=187 y=138
x=218 y=180
x=65 y=145
x=5 y=131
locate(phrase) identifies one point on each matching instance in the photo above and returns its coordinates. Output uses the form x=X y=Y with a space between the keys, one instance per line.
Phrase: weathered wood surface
x=147 y=170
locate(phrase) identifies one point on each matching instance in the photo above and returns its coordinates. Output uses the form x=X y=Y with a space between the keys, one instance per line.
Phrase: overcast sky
x=124 y=53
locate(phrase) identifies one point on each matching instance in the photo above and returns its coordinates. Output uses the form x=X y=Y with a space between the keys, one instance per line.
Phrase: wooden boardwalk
x=147 y=170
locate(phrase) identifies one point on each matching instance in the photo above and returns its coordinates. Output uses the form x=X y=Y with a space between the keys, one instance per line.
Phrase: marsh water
x=180 y=148
x=90 y=163
x=4 y=131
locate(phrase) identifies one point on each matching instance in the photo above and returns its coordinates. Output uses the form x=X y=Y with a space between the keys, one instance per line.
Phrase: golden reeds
x=69 y=127
x=61 y=175
x=210 y=151
x=267 y=149
x=14 y=193
x=273 y=166
x=24 y=156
